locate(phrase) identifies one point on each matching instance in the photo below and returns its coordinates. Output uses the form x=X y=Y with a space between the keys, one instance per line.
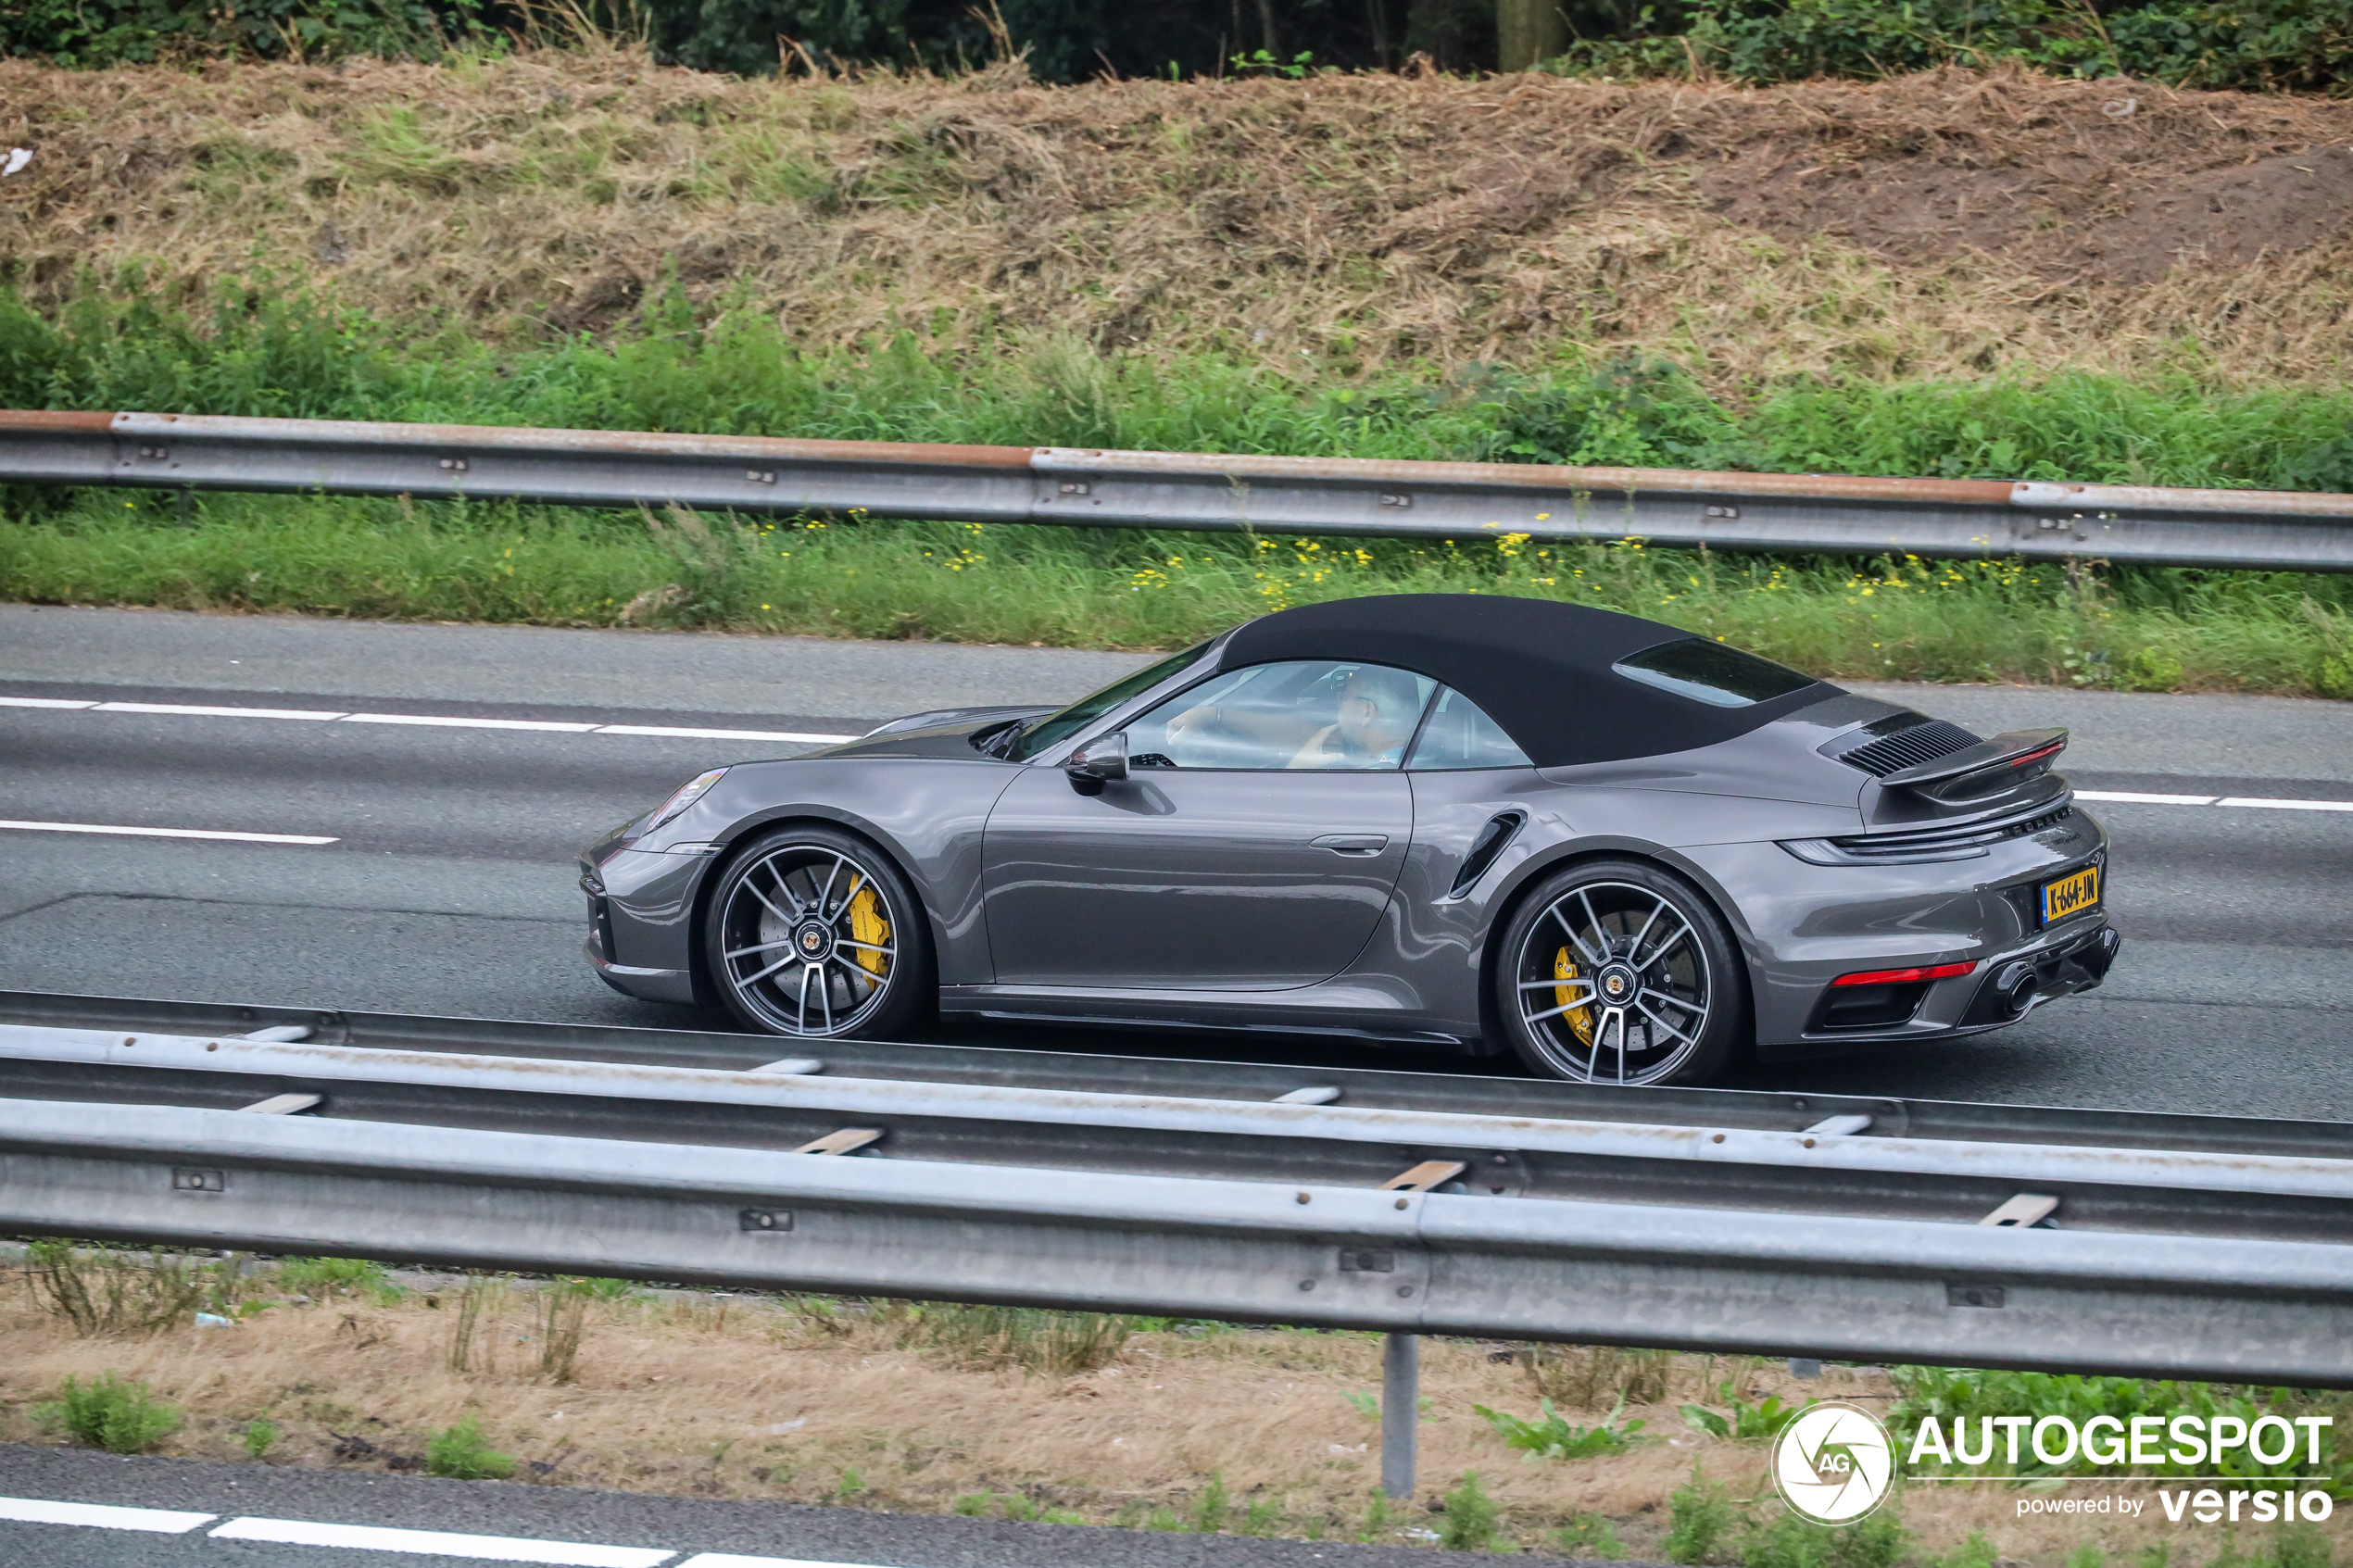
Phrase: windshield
x=1086 y=709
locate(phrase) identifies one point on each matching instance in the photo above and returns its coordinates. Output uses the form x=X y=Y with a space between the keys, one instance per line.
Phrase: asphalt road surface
x=196 y=1513
x=442 y=882
x=447 y=887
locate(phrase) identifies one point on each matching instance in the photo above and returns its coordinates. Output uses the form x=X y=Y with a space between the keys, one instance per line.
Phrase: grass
x=1898 y=618
x=1186 y=1427
x=289 y=353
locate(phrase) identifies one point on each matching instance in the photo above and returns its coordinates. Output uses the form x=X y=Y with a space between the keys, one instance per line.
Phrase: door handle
x=1353 y=843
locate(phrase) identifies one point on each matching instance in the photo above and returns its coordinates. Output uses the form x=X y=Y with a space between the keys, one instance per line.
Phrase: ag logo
x=1833 y=1463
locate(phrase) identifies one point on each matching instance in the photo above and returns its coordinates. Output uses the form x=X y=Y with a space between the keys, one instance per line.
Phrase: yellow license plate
x=2070 y=894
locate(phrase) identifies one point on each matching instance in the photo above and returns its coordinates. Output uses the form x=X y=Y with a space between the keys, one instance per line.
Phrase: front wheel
x=812 y=933
x=1616 y=971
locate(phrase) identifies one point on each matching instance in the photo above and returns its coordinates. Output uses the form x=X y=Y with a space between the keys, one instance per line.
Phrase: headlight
x=688 y=793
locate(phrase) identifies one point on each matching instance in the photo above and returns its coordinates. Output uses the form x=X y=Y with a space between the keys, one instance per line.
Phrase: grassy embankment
x=1266 y=267
x=1076 y=1418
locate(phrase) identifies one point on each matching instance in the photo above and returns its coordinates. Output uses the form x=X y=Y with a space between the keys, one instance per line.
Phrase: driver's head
x=1378 y=707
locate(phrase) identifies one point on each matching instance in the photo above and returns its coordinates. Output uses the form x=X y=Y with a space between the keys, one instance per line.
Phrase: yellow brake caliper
x=1580 y=1019
x=867 y=925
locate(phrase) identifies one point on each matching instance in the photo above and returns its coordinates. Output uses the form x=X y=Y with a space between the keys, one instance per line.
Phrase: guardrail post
x=1400 y=1405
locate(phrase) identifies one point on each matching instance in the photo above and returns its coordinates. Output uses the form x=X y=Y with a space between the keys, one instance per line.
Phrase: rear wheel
x=814 y=932
x=1616 y=971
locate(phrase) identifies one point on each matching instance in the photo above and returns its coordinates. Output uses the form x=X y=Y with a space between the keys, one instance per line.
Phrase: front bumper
x=641 y=907
x=647 y=984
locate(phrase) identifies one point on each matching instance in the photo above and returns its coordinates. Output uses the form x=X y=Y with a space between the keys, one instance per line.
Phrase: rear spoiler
x=1988 y=768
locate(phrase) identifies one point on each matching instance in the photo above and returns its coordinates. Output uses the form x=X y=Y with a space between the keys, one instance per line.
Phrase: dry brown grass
x=761 y=1398
x=1946 y=223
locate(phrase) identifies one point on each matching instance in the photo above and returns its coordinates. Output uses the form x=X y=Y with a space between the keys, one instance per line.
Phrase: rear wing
x=1989 y=768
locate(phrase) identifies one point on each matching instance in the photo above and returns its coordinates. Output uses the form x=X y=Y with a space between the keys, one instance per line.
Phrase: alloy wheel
x=807 y=939
x=1614 y=984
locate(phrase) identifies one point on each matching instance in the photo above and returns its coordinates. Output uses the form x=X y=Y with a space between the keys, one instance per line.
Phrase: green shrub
x=327 y=1278
x=106 y=1290
x=1468 y=1524
x=461 y=1453
x=109 y=1413
x=1589 y=1534
x=1209 y=1514
x=1700 y=1520
x=262 y=1436
x=1979 y=1552
x=1790 y=1541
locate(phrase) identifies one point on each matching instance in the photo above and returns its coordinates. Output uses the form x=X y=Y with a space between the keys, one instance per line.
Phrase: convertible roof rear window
x=1711 y=672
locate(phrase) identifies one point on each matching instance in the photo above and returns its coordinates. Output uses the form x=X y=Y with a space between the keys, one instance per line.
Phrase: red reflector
x=1904 y=976
x=2038 y=755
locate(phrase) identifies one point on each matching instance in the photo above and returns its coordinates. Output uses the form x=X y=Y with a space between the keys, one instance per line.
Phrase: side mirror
x=1097 y=763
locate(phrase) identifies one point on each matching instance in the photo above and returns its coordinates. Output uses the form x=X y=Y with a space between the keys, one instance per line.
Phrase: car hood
x=946 y=732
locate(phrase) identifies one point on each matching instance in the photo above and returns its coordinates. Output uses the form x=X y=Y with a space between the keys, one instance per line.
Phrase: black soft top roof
x=1539 y=668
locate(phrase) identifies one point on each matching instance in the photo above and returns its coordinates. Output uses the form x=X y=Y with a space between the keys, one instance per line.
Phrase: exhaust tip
x=2016 y=987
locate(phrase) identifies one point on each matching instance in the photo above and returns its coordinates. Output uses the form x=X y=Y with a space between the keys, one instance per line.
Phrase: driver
x=1378 y=709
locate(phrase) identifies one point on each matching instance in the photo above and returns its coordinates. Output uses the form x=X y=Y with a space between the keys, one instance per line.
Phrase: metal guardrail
x=1225 y=1202
x=1328 y=495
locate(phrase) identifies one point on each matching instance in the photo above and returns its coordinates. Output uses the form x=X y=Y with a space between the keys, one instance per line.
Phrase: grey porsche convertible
x=1625 y=853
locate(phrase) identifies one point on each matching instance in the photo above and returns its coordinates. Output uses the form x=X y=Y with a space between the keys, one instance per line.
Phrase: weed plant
x=1740 y=1420
x=1551 y=1436
x=1471 y=1518
x=109 y=1290
x=262 y=1436
x=991 y=1338
x=1701 y=1519
x=562 y=1317
x=109 y=1413
x=460 y=1452
x=1589 y=1376
x=328 y=1279
x=1877 y=1540
x=1590 y=1535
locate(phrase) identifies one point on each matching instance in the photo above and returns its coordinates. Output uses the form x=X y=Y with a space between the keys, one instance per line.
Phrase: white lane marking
x=730 y=1560
x=2211 y=800
x=549 y=725
x=198 y=710
x=161 y=1521
x=2136 y=797
x=667 y=732
x=442 y=1543
x=169 y=832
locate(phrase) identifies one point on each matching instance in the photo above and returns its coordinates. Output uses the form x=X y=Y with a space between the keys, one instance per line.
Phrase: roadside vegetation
x=1073 y=1418
x=2082 y=623
x=1909 y=277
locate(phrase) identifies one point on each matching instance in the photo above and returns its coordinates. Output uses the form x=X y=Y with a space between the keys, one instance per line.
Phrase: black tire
x=1593 y=986
x=811 y=933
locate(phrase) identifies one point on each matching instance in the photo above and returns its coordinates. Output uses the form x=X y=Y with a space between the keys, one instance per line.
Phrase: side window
x=1460 y=736
x=1303 y=713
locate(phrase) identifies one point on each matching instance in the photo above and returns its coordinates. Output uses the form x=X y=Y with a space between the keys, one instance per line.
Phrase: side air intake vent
x=1908 y=748
x=1490 y=844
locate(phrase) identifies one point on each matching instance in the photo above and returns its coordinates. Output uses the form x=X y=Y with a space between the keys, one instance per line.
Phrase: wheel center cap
x=1616 y=985
x=813 y=940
